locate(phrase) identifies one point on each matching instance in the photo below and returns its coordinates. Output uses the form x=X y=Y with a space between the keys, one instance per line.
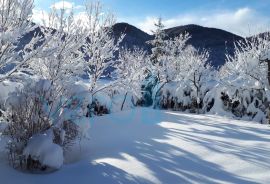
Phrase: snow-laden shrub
x=247 y=104
x=184 y=96
x=37 y=109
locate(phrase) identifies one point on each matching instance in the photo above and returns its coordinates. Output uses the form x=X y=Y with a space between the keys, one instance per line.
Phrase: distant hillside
x=218 y=42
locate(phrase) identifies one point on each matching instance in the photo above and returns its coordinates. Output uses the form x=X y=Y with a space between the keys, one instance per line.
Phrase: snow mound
x=41 y=147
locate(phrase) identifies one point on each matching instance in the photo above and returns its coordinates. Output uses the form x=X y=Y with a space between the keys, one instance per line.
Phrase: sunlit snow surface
x=152 y=146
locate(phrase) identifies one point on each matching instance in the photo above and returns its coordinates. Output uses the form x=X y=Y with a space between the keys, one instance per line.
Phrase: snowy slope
x=150 y=146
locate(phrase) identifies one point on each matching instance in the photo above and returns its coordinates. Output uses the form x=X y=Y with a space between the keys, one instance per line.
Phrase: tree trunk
x=122 y=106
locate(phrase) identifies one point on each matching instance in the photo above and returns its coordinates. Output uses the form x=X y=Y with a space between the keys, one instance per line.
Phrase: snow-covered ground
x=152 y=146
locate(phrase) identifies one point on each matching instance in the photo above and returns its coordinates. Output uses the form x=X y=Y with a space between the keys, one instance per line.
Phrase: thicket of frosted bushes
x=239 y=89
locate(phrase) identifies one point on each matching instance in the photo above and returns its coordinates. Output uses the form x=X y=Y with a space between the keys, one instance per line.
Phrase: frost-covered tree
x=61 y=57
x=15 y=22
x=181 y=64
x=131 y=71
x=188 y=79
x=158 y=49
x=195 y=74
x=156 y=64
x=170 y=61
x=246 y=66
x=177 y=55
x=158 y=43
x=101 y=46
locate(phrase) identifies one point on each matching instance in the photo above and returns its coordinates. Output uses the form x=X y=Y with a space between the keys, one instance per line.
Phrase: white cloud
x=244 y=21
x=39 y=16
x=62 y=5
x=42 y=17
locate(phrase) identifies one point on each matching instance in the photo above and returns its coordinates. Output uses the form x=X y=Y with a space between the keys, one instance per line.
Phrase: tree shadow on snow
x=167 y=163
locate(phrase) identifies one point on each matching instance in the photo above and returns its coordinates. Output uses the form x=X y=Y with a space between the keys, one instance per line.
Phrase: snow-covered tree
x=181 y=64
x=245 y=69
x=159 y=46
x=15 y=22
x=131 y=71
x=195 y=73
x=177 y=56
x=101 y=46
x=171 y=56
x=155 y=66
x=61 y=57
x=188 y=80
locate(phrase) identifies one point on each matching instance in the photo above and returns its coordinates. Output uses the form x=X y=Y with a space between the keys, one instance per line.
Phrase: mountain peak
x=218 y=42
x=134 y=37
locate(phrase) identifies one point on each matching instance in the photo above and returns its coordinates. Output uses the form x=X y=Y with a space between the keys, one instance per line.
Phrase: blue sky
x=242 y=17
